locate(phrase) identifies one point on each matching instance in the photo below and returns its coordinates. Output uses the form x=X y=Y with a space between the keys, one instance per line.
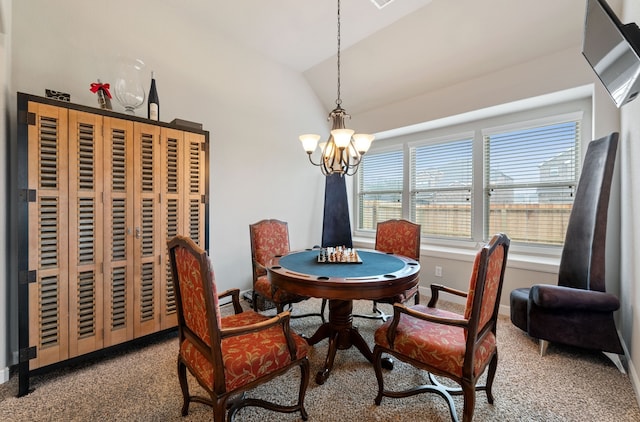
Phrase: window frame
x=519 y=114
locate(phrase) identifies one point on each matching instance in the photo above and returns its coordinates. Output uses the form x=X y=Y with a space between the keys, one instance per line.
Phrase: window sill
x=518 y=258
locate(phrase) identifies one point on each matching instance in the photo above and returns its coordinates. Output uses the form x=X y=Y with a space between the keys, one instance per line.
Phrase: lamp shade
x=309 y=142
x=342 y=137
x=362 y=142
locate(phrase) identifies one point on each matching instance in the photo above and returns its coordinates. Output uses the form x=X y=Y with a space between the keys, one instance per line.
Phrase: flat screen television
x=613 y=51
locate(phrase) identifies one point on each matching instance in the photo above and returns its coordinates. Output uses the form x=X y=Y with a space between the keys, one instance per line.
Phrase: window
x=514 y=173
x=532 y=174
x=380 y=188
x=441 y=185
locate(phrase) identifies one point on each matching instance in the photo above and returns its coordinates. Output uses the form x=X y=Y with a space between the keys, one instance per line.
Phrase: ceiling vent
x=381 y=3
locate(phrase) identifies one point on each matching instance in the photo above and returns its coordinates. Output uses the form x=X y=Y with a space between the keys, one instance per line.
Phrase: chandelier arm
x=353 y=171
x=323 y=167
x=311 y=160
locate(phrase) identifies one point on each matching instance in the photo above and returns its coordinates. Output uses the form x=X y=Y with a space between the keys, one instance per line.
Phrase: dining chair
x=270 y=238
x=229 y=355
x=399 y=237
x=445 y=343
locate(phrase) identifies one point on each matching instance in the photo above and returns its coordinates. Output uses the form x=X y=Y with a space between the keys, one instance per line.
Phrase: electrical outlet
x=438 y=271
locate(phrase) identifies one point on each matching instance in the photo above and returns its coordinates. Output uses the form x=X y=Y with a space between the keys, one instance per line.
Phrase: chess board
x=338 y=255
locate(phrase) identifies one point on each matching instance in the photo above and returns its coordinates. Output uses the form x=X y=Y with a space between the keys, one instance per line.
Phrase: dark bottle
x=153 y=109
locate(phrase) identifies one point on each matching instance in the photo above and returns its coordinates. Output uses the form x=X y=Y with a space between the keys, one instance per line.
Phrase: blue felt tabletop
x=373 y=264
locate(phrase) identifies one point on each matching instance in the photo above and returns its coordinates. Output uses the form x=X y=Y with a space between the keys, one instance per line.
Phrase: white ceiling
x=405 y=49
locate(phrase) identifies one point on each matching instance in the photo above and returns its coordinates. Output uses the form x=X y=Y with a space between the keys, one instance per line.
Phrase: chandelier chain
x=343 y=151
x=338 y=100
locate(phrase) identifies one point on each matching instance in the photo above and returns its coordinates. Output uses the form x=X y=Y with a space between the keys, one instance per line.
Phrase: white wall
x=5 y=51
x=630 y=210
x=254 y=109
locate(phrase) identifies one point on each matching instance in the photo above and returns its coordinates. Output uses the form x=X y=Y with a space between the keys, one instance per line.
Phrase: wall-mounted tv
x=613 y=51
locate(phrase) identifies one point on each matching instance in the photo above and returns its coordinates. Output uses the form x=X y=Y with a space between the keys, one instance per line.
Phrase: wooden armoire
x=100 y=193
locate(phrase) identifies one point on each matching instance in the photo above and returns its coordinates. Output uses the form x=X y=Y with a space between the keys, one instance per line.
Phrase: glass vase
x=128 y=88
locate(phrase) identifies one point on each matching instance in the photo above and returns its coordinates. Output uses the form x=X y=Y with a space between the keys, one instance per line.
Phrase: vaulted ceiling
x=407 y=48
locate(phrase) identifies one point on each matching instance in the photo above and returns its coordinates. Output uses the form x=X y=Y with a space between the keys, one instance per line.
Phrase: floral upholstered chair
x=444 y=343
x=269 y=239
x=232 y=354
x=398 y=237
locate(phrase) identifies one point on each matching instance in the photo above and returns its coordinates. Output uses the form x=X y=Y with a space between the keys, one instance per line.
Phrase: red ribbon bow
x=96 y=86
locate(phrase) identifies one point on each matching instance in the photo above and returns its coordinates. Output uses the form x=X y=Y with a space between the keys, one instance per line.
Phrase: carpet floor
x=140 y=384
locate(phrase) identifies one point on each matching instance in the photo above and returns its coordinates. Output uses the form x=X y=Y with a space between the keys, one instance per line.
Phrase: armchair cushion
x=567 y=298
x=437 y=345
x=246 y=357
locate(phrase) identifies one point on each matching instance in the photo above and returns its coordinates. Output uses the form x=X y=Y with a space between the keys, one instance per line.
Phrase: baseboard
x=631 y=370
x=4 y=375
x=635 y=381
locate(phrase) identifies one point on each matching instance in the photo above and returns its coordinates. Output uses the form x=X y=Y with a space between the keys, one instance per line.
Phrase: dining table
x=373 y=275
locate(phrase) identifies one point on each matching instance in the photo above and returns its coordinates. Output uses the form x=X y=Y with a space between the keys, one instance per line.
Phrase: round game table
x=378 y=275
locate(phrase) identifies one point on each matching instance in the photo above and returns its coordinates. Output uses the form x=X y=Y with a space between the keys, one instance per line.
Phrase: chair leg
x=493 y=365
x=377 y=366
x=184 y=386
x=322 y=308
x=220 y=411
x=376 y=313
x=615 y=358
x=304 y=382
x=379 y=313
x=254 y=301
x=544 y=344
x=469 y=393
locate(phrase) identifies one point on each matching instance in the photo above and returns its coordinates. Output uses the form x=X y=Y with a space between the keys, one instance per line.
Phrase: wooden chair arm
x=399 y=309
x=282 y=318
x=435 y=290
x=235 y=299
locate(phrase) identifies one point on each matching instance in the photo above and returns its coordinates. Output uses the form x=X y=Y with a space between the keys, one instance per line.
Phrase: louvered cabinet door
x=195 y=194
x=118 y=231
x=48 y=219
x=85 y=233
x=173 y=215
x=147 y=231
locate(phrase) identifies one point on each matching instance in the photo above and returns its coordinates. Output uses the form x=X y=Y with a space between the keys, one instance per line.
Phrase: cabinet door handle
x=138 y=233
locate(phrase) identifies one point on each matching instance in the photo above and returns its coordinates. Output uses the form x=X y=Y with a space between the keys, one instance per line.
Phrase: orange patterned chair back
x=193 y=292
x=268 y=239
x=400 y=237
x=486 y=281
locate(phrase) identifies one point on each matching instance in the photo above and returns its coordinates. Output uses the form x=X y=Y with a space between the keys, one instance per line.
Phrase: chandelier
x=342 y=152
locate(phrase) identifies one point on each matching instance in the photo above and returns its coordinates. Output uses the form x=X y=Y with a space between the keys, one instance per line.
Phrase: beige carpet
x=141 y=385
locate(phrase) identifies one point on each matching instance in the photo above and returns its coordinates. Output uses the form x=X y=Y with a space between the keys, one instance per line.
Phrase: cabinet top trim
x=24 y=98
